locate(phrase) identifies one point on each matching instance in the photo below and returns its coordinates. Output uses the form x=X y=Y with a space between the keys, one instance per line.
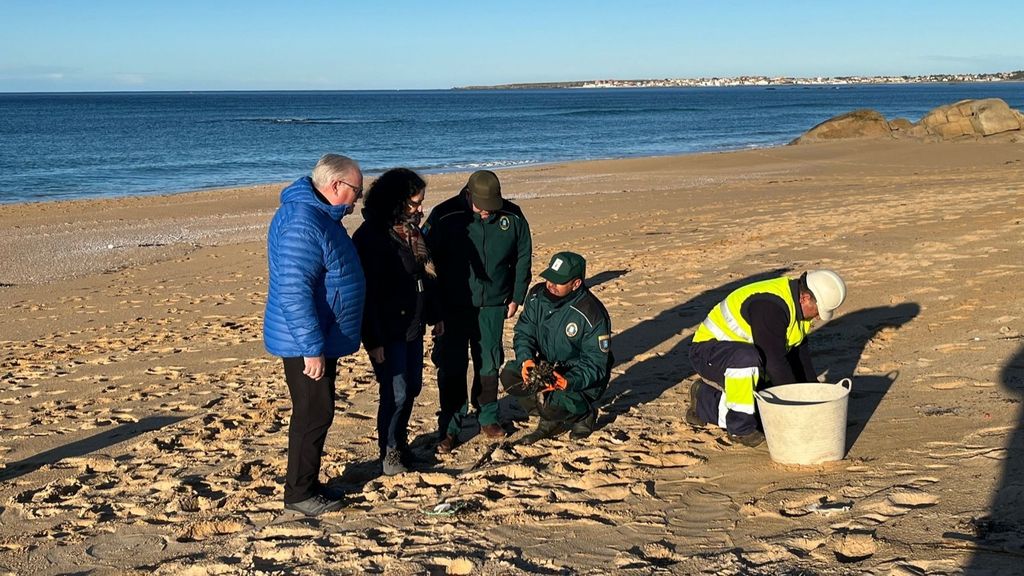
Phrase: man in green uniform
x=565 y=327
x=482 y=249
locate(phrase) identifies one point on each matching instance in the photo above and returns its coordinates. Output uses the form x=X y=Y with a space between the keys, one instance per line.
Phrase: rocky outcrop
x=862 y=123
x=971 y=118
x=967 y=119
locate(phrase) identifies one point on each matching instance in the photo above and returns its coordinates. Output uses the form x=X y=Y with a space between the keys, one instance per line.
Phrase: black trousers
x=312 y=414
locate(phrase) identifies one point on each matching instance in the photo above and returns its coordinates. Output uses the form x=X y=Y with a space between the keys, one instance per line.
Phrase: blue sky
x=48 y=45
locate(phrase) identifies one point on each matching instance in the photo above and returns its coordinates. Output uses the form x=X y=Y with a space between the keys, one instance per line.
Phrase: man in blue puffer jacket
x=314 y=313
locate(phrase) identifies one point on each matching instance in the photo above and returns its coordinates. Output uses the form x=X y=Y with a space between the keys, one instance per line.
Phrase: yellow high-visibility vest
x=725 y=323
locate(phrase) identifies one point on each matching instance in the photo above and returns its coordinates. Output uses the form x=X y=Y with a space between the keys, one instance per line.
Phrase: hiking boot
x=691 y=411
x=392 y=463
x=584 y=427
x=545 y=429
x=492 y=431
x=752 y=440
x=315 y=506
x=446 y=445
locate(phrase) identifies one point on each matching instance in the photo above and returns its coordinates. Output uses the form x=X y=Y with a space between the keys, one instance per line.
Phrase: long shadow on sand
x=84 y=446
x=838 y=347
x=998 y=539
x=605 y=276
x=648 y=379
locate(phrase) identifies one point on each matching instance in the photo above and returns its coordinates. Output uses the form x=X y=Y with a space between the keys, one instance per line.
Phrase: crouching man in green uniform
x=563 y=327
x=481 y=246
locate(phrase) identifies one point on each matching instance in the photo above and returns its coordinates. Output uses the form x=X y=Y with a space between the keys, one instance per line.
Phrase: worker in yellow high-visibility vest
x=757 y=336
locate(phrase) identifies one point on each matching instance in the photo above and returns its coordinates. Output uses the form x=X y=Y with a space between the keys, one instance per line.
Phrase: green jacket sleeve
x=524 y=335
x=594 y=365
x=524 y=261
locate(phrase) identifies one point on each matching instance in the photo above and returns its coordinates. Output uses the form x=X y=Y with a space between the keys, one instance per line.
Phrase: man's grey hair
x=332 y=167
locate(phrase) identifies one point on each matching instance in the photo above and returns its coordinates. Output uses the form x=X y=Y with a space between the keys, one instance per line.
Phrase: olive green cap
x=485 y=190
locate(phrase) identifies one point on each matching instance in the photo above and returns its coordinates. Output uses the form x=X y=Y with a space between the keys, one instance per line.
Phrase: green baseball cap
x=485 y=190
x=565 y=267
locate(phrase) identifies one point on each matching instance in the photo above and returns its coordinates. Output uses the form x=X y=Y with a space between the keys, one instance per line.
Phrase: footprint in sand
x=704 y=516
x=652 y=555
x=802 y=541
x=894 y=503
x=853 y=546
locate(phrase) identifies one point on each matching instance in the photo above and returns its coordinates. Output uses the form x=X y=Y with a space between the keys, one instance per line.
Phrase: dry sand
x=143 y=429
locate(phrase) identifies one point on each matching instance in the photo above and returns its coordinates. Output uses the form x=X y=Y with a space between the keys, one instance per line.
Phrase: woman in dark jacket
x=400 y=302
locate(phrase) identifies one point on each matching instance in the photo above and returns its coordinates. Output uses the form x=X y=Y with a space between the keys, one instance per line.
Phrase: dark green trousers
x=469 y=333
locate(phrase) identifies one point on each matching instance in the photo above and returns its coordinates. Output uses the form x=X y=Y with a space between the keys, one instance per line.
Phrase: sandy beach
x=143 y=428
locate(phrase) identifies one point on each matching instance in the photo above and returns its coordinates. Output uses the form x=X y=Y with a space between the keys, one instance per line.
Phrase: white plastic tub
x=805 y=423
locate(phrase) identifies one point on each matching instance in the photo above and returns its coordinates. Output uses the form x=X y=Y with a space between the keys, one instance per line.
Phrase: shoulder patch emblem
x=604 y=342
x=504 y=223
x=571 y=329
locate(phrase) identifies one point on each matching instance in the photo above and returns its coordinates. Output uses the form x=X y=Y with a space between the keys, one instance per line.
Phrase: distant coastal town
x=1017 y=76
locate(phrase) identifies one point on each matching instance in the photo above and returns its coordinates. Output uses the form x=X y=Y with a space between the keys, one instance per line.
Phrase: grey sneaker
x=392 y=463
x=315 y=505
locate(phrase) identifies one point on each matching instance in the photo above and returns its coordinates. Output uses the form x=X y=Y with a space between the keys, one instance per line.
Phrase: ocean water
x=60 y=146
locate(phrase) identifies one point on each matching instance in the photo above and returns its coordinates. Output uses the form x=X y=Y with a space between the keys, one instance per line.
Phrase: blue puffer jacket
x=317 y=289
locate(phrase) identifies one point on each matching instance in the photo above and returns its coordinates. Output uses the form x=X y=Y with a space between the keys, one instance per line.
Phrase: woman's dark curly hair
x=386 y=198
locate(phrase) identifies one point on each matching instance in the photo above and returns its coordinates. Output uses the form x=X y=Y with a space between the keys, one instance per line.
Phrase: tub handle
x=846 y=383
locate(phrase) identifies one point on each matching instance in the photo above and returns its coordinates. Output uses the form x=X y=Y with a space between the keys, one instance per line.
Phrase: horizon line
x=546 y=86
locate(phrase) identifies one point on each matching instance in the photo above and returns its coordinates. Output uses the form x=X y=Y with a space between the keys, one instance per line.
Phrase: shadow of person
x=88 y=445
x=838 y=346
x=605 y=276
x=998 y=541
x=354 y=477
x=648 y=379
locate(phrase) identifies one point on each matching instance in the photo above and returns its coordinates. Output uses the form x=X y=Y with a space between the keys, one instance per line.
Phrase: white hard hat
x=829 y=291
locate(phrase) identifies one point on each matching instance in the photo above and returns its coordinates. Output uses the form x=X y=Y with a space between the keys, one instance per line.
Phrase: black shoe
x=752 y=440
x=691 y=411
x=315 y=506
x=392 y=463
x=584 y=427
x=545 y=429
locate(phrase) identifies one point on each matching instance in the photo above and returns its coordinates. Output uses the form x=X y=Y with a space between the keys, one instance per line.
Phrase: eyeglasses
x=358 y=189
x=414 y=204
